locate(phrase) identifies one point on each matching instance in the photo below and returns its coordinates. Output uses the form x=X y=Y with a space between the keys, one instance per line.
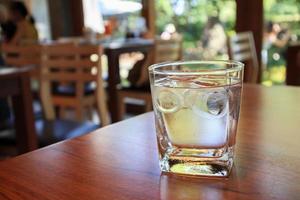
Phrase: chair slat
x=242 y=48
x=69 y=50
x=68 y=63
x=240 y=37
x=23 y=55
x=242 y=56
x=172 y=47
x=24 y=49
x=168 y=50
x=69 y=77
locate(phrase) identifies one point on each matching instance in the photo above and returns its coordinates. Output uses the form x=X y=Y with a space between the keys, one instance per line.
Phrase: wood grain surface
x=121 y=161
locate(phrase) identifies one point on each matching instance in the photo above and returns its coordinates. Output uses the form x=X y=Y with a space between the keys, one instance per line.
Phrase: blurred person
x=26 y=31
x=8 y=28
x=276 y=40
x=213 y=40
x=170 y=32
x=275 y=35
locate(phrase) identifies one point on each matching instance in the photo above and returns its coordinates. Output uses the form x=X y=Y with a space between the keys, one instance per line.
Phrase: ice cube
x=167 y=101
x=217 y=102
x=213 y=104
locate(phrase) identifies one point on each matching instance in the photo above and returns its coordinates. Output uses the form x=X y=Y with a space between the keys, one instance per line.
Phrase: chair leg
x=148 y=106
x=79 y=113
x=90 y=112
x=148 y=103
x=102 y=108
x=46 y=99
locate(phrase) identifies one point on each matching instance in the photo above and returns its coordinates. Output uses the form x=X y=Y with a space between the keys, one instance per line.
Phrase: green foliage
x=191 y=21
x=193 y=18
x=285 y=12
x=273 y=8
x=164 y=15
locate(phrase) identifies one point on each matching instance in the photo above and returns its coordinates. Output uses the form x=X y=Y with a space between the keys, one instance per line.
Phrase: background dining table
x=15 y=83
x=113 y=49
x=120 y=161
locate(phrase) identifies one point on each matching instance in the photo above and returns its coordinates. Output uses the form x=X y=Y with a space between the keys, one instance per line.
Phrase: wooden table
x=113 y=50
x=15 y=82
x=121 y=161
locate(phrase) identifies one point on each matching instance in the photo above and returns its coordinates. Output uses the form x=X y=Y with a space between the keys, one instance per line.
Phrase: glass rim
x=235 y=67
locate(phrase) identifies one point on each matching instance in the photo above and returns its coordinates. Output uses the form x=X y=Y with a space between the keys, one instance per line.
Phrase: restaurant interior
x=73 y=69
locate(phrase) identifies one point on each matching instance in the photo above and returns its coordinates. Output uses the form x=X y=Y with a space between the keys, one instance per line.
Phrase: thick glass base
x=195 y=162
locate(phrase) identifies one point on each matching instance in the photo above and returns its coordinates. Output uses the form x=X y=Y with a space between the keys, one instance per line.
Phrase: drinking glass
x=196 y=106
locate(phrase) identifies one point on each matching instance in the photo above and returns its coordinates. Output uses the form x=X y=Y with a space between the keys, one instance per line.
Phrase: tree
x=190 y=16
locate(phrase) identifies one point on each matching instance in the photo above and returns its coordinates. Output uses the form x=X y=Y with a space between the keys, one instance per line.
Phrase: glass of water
x=196 y=105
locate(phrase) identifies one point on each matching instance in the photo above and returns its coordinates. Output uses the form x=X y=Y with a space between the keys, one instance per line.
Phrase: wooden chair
x=164 y=50
x=67 y=71
x=48 y=130
x=168 y=50
x=23 y=55
x=242 y=48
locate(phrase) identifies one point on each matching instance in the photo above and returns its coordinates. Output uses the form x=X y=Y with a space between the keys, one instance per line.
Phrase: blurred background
x=188 y=17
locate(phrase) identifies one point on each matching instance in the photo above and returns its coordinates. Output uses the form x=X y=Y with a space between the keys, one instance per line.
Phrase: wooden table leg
x=113 y=80
x=24 y=117
x=293 y=65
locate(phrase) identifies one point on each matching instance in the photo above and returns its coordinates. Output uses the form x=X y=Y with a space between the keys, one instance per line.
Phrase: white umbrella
x=92 y=17
x=118 y=7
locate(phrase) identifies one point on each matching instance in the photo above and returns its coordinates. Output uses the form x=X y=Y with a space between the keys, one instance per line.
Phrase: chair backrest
x=70 y=64
x=164 y=51
x=242 y=48
x=23 y=55
x=167 y=50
